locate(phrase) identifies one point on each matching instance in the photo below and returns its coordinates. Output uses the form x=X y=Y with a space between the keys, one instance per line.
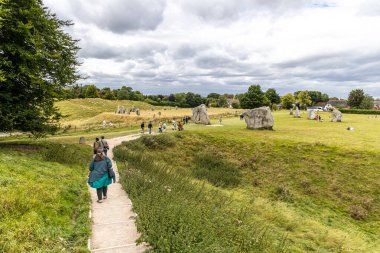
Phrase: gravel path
x=113 y=227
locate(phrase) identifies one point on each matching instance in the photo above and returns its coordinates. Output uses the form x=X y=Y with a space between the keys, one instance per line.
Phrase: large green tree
x=367 y=102
x=254 y=98
x=355 y=98
x=288 y=100
x=303 y=99
x=273 y=97
x=37 y=60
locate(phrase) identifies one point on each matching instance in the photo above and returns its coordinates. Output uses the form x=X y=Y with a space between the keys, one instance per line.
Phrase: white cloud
x=223 y=46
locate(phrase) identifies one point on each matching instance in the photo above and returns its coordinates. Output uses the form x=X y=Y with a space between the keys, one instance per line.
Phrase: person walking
x=220 y=120
x=104 y=144
x=142 y=127
x=150 y=126
x=96 y=145
x=160 y=127
x=101 y=175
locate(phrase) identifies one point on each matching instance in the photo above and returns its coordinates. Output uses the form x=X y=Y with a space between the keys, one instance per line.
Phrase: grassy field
x=45 y=201
x=90 y=113
x=307 y=186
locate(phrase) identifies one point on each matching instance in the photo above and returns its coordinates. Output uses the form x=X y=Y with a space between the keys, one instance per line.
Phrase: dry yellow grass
x=85 y=113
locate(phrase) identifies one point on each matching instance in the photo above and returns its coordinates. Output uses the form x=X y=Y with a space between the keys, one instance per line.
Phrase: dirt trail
x=113 y=227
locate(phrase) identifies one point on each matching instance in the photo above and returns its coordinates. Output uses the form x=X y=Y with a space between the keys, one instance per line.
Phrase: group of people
x=162 y=126
x=101 y=173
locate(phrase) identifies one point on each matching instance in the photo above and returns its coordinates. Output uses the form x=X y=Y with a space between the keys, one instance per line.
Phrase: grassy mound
x=45 y=202
x=313 y=183
x=179 y=215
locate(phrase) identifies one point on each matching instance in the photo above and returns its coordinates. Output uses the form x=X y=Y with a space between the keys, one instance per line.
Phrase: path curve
x=113 y=221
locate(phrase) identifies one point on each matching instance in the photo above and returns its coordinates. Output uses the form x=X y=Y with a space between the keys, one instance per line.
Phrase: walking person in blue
x=101 y=174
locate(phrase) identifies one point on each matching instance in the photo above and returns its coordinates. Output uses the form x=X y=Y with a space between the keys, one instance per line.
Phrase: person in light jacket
x=101 y=174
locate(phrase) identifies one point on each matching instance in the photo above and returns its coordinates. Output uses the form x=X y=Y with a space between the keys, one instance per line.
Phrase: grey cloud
x=219 y=10
x=120 y=16
x=142 y=50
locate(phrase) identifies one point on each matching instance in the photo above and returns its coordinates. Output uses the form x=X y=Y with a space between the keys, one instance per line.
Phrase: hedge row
x=360 y=111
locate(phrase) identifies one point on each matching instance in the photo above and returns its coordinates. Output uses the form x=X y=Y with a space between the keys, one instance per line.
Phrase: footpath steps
x=113 y=221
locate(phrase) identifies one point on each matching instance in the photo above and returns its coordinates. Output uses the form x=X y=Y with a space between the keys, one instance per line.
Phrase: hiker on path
x=150 y=126
x=180 y=126
x=104 y=123
x=174 y=125
x=142 y=127
x=160 y=127
x=164 y=127
x=97 y=145
x=220 y=120
x=104 y=144
x=101 y=174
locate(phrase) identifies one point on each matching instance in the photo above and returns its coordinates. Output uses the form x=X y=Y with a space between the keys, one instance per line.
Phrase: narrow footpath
x=113 y=221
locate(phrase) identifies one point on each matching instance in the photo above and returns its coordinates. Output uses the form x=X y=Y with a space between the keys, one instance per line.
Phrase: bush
x=358 y=212
x=158 y=141
x=216 y=170
x=360 y=111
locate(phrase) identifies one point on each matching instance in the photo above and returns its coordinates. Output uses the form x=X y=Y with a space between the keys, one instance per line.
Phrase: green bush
x=360 y=111
x=158 y=141
x=216 y=170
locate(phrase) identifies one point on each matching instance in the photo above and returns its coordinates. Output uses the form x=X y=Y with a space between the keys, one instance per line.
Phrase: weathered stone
x=311 y=114
x=259 y=118
x=297 y=115
x=138 y=112
x=200 y=115
x=82 y=140
x=133 y=109
x=336 y=116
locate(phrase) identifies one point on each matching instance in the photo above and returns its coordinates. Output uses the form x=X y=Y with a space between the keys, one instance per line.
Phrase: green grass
x=314 y=183
x=45 y=201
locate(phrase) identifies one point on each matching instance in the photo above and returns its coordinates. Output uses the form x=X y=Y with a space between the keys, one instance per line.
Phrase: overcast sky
x=203 y=46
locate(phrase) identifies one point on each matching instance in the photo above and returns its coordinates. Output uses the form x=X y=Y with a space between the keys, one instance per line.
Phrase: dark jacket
x=100 y=168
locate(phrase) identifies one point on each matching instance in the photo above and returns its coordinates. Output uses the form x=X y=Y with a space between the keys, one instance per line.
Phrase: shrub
x=358 y=212
x=216 y=170
x=283 y=193
x=360 y=111
x=158 y=141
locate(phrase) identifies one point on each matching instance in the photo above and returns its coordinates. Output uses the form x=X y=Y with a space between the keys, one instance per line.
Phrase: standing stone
x=138 y=112
x=159 y=114
x=133 y=108
x=336 y=116
x=291 y=111
x=297 y=115
x=176 y=107
x=259 y=118
x=200 y=115
x=82 y=140
x=311 y=114
x=128 y=111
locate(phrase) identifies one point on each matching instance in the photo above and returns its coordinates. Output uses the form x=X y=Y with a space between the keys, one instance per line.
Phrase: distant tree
x=288 y=100
x=324 y=97
x=109 y=95
x=37 y=61
x=92 y=91
x=213 y=95
x=194 y=100
x=367 y=102
x=253 y=98
x=172 y=98
x=334 y=98
x=273 y=97
x=303 y=99
x=355 y=98
x=315 y=96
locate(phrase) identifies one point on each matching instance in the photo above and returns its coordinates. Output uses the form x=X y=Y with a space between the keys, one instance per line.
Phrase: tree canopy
x=355 y=98
x=37 y=60
x=254 y=98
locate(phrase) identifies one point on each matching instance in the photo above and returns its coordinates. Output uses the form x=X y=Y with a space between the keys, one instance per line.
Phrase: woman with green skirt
x=101 y=174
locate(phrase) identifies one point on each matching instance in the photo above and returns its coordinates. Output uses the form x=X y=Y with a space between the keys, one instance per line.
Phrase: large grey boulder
x=259 y=118
x=137 y=112
x=200 y=115
x=311 y=114
x=336 y=116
